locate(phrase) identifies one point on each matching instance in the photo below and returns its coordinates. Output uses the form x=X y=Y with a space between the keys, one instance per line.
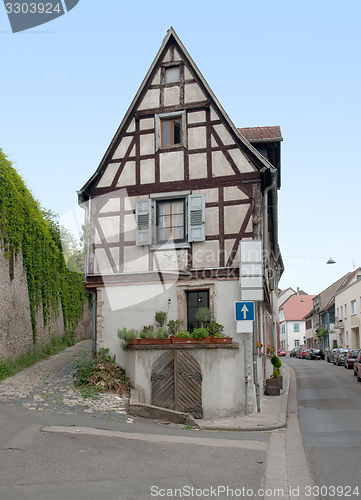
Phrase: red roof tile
x=261 y=134
x=297 y=306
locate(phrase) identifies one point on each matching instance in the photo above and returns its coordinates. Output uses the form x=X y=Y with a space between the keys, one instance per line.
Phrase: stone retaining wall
x=16 y=334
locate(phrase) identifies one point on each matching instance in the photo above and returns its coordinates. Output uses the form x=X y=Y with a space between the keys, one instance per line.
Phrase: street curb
x=282 y=416
x=158 y=413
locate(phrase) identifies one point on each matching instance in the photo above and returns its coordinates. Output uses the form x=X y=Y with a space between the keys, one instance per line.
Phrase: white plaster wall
x=221 y=394
x=172 y=166
x=151 y=99
x=109 y=174
x=127 y=177
x=122 y=148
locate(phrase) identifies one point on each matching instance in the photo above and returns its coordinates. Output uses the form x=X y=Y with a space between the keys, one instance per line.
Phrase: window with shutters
x=171 y=220
x=173 y=217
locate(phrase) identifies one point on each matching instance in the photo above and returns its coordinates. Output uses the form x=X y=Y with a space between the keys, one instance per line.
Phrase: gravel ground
x=49 y=386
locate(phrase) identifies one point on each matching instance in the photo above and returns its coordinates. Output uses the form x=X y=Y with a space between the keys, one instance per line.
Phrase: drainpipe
x=93 y=293
x=255 y=371
x=265 y=235
x=245 y=374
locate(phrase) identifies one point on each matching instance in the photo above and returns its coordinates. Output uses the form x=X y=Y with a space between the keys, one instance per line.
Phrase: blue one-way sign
x=244 y=311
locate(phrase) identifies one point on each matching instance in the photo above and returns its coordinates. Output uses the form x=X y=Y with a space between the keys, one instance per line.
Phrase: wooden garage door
x=177 y=383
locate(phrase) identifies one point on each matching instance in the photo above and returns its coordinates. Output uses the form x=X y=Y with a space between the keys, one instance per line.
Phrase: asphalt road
x=138 y=459
x=329 y=403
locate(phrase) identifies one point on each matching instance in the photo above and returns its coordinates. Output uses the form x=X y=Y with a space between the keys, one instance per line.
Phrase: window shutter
x=196 y=217
x=143 y=214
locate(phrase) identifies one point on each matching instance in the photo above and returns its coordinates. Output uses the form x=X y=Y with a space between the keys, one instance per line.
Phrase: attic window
x=171 y=131
x=172 y=74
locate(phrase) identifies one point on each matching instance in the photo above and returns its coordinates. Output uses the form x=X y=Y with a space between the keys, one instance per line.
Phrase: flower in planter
x=270 y=349
x=259 y=345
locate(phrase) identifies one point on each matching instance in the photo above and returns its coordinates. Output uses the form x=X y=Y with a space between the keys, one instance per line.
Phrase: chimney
x=298 y=290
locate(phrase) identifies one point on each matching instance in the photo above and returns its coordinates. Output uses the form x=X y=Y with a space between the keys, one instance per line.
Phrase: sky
x=66 y=85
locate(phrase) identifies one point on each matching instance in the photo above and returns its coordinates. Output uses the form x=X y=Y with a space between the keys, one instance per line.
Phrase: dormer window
x=172 y=74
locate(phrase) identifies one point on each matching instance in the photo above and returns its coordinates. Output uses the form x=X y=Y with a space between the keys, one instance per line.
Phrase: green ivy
x=35 y=233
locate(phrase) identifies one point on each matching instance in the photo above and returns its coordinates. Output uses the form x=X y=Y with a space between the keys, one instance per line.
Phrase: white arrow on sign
x=245 y=311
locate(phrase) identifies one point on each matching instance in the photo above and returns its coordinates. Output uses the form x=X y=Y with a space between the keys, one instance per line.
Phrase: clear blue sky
x=66 y=85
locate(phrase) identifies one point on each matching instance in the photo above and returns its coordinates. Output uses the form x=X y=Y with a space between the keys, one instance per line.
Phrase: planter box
x=133 y=342
x=190 y=340
x=273 y=386
x=154 y=341
x=221 y=340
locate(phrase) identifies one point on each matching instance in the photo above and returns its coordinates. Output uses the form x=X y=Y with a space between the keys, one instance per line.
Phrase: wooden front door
x=177 y=383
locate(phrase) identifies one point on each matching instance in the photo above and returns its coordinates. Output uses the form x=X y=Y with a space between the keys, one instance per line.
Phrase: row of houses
x=326 y=320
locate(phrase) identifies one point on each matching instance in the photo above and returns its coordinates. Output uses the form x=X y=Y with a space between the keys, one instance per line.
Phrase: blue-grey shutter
x=196 y=217
x=143 y=215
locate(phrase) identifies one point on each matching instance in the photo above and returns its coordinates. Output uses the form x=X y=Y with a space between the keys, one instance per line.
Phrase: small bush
x=275 y=360
x=276 y=373
x=182 y=334
x=173 y=326
x=215 y=329
x=160 y=318
x=147 y=332
x=200 y=333
x=126 y=335
x=203 y=314
x=161 y=333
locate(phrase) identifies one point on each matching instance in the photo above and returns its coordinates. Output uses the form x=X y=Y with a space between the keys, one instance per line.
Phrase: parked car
x=303 y=352
x=330 y=355
x=339 y=357
x=294 y=352
x=356 y=363
x=315 y=354
x=352 y=355
x=281 y=352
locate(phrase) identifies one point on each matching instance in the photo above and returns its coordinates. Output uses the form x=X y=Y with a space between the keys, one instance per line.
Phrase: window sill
x=170 y=246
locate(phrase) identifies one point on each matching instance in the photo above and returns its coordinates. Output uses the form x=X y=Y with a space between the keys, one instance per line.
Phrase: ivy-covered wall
x=32 y=258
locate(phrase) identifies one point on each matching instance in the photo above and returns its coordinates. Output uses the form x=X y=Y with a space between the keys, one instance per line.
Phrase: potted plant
x=173 y=326
x=151 y=336
x=274 y=384
x=128 y=337
x=204 y=315
x=180 y=337
x=160 y=318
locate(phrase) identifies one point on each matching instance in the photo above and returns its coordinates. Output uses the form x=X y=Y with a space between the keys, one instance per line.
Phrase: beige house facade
x=348 y=315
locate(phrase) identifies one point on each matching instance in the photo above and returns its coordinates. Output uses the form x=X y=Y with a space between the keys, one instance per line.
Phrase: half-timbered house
x=176 y=192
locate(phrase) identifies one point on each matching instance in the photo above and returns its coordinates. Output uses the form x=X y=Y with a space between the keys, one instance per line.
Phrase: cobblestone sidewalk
x=49 y=386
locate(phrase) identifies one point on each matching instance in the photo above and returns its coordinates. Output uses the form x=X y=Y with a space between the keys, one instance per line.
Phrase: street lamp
x=331 y=261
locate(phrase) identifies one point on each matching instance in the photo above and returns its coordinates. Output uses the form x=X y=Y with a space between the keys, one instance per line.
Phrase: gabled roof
x=262 y=134
x=297 y=306
x=172 y=38
x=338 y=286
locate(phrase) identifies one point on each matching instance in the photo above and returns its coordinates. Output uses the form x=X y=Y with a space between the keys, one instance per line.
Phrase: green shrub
x=173 y=326
x=276 y=373
x=161 y=333
x=215 y=329
x=182 y=334
x=203 y=314
x=147 y=332
x=160 y=318
x=275 y=360
x=126 y=335
x=200 y=333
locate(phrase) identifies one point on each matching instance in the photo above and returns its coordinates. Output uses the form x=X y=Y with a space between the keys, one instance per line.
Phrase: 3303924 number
x=33 y=8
